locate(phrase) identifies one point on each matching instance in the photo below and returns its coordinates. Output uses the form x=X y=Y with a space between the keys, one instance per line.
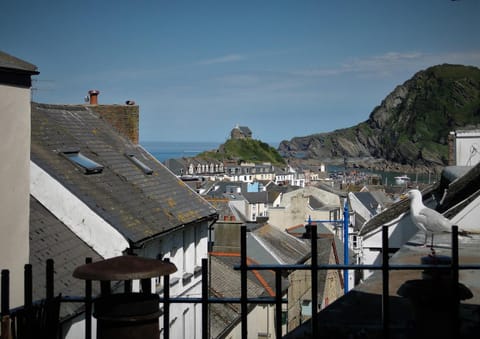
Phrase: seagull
x=427 y=219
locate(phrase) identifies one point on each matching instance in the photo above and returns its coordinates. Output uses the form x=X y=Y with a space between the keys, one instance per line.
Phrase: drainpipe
x=345 y=245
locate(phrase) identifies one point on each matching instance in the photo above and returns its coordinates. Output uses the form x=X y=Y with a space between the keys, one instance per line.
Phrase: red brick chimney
x=93 y=96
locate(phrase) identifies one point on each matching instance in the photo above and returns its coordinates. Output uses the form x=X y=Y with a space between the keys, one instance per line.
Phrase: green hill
x=245 y=150
x=409 y=127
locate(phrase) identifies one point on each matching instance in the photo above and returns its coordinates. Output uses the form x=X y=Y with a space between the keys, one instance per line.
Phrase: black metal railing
x=205 y=300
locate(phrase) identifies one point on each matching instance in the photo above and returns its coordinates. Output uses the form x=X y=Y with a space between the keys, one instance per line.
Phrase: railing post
x=278 y=304
x=455 y=283
x=5 y=307
x=146 y=285
x=385 y=283
x=205 y=314
x=88 y=305
x=28 y=285
x=127 y=286
x=105 y=287
x=314 y=275
x=50 y=279
x=243 y=281
x=166 y=304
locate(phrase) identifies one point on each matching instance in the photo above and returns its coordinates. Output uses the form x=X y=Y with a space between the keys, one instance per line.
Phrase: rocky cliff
x=410 y=127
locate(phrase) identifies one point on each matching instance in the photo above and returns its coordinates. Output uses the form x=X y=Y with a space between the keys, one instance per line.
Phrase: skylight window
x=87 y=164
x=147 y=170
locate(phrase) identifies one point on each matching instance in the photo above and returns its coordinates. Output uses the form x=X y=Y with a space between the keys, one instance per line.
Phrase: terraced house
x=95 y=192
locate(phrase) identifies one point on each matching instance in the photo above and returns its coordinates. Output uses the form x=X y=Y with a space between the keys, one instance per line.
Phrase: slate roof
x=299 y=230
x=220 y=187
x=10 y=62
x=315 y=203
x=225 y=283
x=256 y=197
x=281 y=247
x=367 y=200
x=222 y=207
x=51 y=239
x=138 y=205
x=177 y=166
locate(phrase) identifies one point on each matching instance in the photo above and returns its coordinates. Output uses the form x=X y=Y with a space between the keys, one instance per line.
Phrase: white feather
x=427 y=219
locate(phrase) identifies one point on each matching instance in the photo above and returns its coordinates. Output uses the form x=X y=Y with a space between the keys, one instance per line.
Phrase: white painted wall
x=185 y=248
x=358 y=207
x=467 y=219
x=75 y=214
x=398 y=234
x=294 y=208
x=467 y=148
x=260 y=320
x=14 y=189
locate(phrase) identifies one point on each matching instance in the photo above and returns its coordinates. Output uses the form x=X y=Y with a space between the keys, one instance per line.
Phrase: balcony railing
x=42 y=315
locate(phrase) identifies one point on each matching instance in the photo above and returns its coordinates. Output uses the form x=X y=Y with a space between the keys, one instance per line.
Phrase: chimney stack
x=93 y=96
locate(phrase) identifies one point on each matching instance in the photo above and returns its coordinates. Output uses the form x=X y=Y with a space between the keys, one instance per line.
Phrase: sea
x=163 y=150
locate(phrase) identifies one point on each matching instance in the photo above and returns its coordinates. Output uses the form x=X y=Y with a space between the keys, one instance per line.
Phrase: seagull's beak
x=404 y=196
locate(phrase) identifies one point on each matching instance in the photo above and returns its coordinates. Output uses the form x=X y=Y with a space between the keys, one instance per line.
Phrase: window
x=306 y=308
x=87 y=164
x=147 y=170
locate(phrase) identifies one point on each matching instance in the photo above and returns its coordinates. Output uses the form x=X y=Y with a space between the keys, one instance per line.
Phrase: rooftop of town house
x=270 y=245
x=51 y=239
x=8 y=61
x=225 y=283
x=256 y=197
x=139 y=205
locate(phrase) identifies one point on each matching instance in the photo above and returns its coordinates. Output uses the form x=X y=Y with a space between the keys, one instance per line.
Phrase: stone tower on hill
x=241 y=132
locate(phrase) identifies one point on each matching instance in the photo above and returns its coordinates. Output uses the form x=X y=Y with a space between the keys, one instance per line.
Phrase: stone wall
x=124 y=118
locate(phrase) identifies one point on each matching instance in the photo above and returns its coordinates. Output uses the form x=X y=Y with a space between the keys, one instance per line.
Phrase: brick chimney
x=124 y=118
x=93 y=96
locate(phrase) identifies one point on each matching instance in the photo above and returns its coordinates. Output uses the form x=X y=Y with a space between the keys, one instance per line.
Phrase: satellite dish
x=86 y=99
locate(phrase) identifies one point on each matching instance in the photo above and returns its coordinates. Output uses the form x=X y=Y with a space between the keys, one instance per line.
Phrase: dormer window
x=147 y=170
x=82 y=161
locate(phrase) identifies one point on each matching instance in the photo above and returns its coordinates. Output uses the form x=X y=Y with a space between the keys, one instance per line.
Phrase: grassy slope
x=248 y=150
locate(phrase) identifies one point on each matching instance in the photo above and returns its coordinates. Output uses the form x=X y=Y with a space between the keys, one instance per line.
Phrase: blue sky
x=198 y=68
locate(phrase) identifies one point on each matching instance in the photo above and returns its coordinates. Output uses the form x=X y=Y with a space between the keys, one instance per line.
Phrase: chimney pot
x=93 y=96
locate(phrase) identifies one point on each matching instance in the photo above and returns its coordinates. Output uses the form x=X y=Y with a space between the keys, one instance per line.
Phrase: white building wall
x=185 y=248
x=294 y=208
x=358 y=207
x=261 y=320
x=398 y=235
x=14 y=188
x=75 y=214
x=467 y=218
x=467 y=148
